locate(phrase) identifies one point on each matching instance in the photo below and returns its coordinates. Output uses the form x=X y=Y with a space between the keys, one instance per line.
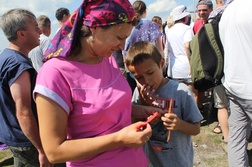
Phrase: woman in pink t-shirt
x=83 y=100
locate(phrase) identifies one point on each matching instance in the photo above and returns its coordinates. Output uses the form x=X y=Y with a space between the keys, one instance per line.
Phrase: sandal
x=217 y=129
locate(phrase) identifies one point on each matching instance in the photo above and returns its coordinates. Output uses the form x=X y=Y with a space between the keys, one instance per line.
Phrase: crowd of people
x=83 y=97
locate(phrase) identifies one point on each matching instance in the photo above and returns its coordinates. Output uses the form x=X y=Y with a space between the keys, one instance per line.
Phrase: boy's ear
x=162 y=63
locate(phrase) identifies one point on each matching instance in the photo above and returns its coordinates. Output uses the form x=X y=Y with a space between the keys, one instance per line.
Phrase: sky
x=160 y=8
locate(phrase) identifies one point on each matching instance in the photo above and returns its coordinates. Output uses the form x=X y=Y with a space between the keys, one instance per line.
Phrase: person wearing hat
x=179 y=37
x=204 y=8
x=83 y=100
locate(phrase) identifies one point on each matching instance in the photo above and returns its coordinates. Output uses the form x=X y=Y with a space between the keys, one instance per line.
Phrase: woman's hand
x=131 y=136
x=143 y=112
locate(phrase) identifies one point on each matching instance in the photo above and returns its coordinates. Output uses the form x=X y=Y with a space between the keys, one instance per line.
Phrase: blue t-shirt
x=179 y=150
x=12 y=64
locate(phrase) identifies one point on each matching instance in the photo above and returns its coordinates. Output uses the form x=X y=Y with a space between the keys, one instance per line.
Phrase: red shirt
x=197 y=25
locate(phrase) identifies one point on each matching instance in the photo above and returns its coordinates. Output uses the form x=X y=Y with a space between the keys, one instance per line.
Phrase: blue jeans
x=25 y=156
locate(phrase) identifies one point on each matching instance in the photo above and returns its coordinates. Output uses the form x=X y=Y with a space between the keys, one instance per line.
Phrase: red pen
x=149 y=119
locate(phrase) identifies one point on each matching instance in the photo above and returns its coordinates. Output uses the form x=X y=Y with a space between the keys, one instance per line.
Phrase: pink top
x=97 y=99
x=197 y=25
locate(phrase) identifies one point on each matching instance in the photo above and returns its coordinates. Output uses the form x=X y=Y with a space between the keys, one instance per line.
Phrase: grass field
x=6 y=159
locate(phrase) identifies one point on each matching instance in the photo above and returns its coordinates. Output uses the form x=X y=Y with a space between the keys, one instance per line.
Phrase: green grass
x=3 y=154
x=6 y=159
x=211 y=162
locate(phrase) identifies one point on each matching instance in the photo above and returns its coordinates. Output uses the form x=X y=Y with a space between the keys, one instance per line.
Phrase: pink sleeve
x=53 y=84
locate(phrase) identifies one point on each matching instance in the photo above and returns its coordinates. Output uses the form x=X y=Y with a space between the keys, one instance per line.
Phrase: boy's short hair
x=61 y=12
x=43 y=21
x=141 y=51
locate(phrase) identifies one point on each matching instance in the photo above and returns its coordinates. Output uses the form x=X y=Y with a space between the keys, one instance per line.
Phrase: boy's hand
x=171 y=121
x=146 y=94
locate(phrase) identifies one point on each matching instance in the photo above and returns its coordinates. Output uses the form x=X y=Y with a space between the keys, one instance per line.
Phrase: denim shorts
x=25 y=156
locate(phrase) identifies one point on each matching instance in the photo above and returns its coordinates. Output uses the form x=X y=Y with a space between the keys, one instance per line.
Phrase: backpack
x=206 y=56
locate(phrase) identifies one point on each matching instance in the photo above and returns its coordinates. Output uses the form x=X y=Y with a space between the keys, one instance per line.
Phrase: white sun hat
x=179 y=12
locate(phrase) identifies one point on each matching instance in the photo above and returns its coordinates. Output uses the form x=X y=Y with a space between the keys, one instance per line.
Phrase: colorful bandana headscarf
x=93 y=13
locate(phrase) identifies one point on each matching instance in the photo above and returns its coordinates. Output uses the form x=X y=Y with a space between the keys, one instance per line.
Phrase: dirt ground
x=208 y=151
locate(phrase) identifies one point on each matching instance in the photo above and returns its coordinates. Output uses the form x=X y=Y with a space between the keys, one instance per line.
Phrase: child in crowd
x=145 y=62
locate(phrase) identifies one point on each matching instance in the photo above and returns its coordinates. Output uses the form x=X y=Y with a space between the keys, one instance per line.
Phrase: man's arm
x=187 y=49
x=21 y=94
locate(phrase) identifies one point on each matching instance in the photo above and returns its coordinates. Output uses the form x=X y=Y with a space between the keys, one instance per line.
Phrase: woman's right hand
x=132 y=136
